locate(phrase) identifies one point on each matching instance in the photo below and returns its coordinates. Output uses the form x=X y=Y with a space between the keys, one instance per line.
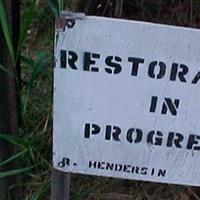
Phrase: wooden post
x=8 y=94
x=60 y=181
x=60 y=185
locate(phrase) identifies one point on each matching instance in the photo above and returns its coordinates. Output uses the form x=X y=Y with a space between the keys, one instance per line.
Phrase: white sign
x=127 y=101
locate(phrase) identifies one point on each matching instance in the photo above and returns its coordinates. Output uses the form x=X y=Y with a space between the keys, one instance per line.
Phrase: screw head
x=70 y=23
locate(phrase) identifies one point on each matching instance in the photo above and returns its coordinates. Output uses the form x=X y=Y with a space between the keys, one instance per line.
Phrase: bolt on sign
x=127 y=100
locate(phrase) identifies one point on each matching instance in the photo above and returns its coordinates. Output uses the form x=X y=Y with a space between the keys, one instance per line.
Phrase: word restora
x=113 y=65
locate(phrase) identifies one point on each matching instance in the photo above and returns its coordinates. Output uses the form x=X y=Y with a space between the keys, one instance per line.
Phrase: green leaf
x=31 y=153
x=26 y=20
x=15 y=140
x=60 y=5
x=42 y=60
x=6 y=70
x=13 y=157
x=118 y=8
x=54 y=7
x=27 y=61
x=6 y=31
x=42 y=192
x=16 y=171
x=23 y=145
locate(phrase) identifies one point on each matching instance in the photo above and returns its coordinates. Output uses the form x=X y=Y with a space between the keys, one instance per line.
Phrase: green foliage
x=41 y=193
x=118 y=8
x=39 y=67
x=35 y=51
x=6 y=70
x=15 y=172
x=56 y=6
x=31 y=149
x=6 y=31
x=26 y=20
x=12 y=158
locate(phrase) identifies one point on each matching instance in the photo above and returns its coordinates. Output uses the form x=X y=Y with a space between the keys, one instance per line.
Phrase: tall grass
x=35 y=51
x=6 y=31
x=33 y=142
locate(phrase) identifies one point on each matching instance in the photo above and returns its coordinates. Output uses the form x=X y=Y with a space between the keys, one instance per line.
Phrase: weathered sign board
x=127 y=101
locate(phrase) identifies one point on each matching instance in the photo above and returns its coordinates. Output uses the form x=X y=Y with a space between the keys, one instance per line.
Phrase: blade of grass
x=60 y=5
x=26 y=20
x=6 y=31
x=24 y=145
x=40 y=194
x=42 y=59
x=18 y=185
x=13 y=157
x=6 y=70
x=118 y=8
x=54 y=6
x=27 y=60
x=28 y=147
x=16 y=171
x=15 y=140
x=31 y=153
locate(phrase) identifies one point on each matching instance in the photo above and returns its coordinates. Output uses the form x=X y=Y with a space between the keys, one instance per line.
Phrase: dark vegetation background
x=34 y=141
